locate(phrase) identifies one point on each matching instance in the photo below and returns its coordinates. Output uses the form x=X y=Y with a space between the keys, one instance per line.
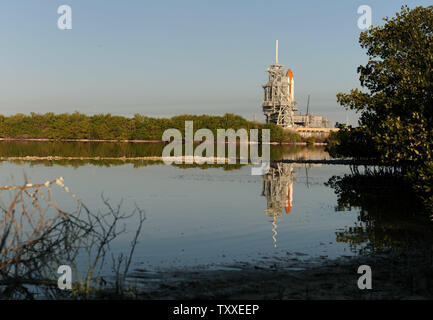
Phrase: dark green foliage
x=396 y=123
x=109 y=127
x=351 y=142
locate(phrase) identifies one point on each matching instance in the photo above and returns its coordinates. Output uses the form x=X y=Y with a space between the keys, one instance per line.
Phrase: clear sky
x=162 y=58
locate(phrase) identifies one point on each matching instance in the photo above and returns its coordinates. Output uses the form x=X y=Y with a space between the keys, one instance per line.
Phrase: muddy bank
x=407 y=275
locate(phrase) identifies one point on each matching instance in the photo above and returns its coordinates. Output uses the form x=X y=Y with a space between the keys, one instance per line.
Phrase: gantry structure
x=277 y=187
x=279 y=104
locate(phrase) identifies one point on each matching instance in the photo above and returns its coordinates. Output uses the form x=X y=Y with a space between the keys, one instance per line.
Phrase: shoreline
x=138 y=141
x=396 y=275
x=184 y=160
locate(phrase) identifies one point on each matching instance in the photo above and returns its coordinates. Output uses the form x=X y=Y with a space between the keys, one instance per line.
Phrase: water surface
x=203 y=215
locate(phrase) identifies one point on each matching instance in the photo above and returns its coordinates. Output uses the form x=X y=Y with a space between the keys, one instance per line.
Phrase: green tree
x=396 y=106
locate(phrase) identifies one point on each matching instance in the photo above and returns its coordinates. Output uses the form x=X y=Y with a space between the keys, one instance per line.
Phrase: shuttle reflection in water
x=277 y=187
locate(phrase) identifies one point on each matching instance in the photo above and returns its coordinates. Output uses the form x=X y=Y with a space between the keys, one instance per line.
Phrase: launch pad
x=279 y=103
x=278 y=99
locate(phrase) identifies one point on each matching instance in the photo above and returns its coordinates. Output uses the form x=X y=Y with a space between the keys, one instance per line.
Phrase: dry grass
x=37 y=236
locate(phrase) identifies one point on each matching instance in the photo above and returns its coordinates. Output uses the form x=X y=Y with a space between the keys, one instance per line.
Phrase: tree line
x=112 y=127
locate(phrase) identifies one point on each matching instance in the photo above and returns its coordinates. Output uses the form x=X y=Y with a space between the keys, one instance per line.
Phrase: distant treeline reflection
x=96 y=153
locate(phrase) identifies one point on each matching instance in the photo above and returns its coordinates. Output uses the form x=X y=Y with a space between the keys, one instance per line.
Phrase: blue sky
x=162 y=58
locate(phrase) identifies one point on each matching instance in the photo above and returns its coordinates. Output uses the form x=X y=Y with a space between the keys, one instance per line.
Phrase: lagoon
x=211 y=216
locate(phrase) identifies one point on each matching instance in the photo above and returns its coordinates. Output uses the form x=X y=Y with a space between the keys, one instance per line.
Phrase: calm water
x=204 y=215
x=211 y=215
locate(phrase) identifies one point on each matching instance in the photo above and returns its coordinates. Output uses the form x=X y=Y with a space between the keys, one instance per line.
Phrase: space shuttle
x=289 y=201
x=289 y=76
x=291 y=81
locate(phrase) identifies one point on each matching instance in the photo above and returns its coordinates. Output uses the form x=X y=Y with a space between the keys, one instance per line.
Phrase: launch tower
x=278 y=99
